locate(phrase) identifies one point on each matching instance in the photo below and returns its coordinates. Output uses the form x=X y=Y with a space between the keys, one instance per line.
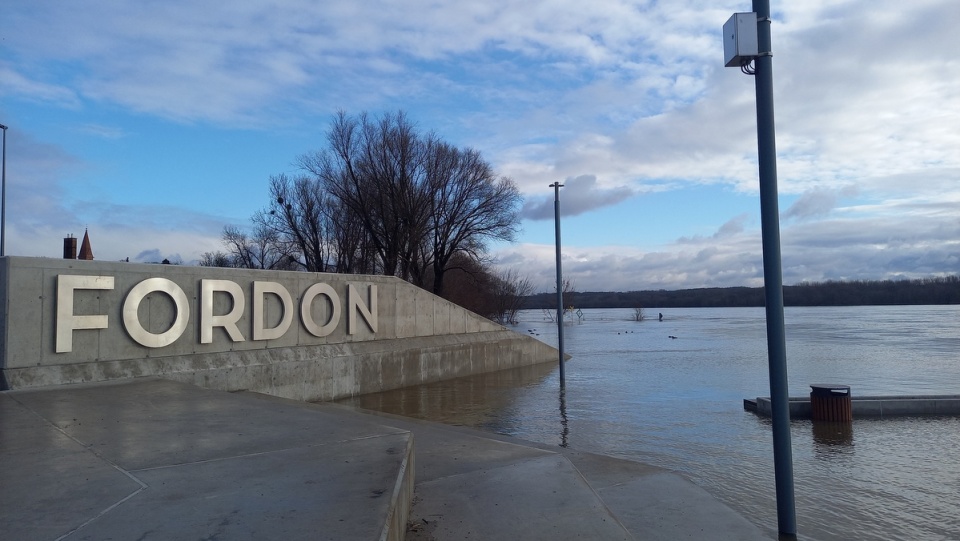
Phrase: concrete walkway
x=154 y=459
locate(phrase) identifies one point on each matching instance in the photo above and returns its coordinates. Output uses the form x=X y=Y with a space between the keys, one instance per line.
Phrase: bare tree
x=638 y=313
x=568 y=291
x=353 y=249
x=374 y=168
x=298 y=215
x=419 y=200
x=317 y=229
x=216 y=259
x=568 y=294
x=383 y=198
x=470 y=206
x=510 y=291
x=471 y=285
x=260 y=250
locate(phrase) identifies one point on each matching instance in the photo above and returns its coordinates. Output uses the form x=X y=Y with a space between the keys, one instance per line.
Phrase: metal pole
x=556 y=218
x=773 y=275
x=3 y=195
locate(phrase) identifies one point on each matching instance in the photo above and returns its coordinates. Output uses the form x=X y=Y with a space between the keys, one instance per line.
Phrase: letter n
x=368 y=311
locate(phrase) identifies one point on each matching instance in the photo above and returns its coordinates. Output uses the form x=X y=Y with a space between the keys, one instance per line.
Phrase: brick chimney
x=70 y=247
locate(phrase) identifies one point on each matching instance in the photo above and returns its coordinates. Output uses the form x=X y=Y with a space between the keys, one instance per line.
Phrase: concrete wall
x=414 y=336
x=874 y=406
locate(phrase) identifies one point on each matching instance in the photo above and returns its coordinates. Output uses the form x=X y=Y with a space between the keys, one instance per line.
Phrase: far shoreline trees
x=382 y=197
x=925 y=291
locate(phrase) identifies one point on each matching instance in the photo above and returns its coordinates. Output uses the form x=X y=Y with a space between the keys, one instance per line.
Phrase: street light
x=747 y=41
x=556 y=218
x=3 y=194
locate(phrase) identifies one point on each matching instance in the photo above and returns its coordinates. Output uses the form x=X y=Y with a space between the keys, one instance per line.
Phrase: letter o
x=131 y=308
x=306 y=304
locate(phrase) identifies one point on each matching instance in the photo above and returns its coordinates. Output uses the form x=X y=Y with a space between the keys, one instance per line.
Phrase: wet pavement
x=155 y=459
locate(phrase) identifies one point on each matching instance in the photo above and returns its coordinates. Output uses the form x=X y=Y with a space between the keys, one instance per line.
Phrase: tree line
x=383 y=197
x=936 y=290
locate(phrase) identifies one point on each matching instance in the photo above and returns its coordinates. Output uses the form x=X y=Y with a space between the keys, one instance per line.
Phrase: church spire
x=85 y=251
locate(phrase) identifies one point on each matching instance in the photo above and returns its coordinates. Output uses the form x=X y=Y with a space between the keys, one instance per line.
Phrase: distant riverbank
x=928 y=291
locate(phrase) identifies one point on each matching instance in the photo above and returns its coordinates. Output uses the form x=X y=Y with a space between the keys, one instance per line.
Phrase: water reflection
x=832 y=438
x=565 y=428
x=485 y=400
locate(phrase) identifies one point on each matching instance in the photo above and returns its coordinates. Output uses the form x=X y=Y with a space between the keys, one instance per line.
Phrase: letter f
x=67 y=321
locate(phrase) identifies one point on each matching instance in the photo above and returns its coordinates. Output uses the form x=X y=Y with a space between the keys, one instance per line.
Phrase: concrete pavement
x=477 y=485
x=155 y=459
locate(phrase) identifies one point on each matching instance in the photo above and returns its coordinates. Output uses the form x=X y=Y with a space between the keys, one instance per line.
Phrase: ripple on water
x=677 y=404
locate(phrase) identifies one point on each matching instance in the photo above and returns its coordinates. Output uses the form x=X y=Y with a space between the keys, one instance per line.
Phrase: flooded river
x=634 y=392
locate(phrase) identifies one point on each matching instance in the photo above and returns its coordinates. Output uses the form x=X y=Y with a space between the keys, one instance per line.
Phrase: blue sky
x=155 y=124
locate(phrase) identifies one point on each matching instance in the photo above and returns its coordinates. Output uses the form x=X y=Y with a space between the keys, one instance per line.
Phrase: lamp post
x=556 y=218
x=747 y=40
x=3 y=195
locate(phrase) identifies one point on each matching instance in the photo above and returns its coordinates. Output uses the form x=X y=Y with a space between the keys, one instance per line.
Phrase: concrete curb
x=395 y=525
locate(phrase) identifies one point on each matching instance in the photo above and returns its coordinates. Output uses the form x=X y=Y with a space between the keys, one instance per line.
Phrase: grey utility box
x=740 y=39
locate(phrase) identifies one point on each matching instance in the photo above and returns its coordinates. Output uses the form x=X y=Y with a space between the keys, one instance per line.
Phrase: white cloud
x=619 y=97
x=34 y=182
x=46 y=210
x=580 y=195
x=812 y=204
x=103 y=131
x=17 y=84
x=204 y=61
x=905 y=246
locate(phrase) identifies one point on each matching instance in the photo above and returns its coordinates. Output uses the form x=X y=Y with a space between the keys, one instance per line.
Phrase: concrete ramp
x=476 y=485
x=156 y=459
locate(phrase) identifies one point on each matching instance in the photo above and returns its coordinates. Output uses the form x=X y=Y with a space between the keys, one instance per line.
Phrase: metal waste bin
x=830 y=402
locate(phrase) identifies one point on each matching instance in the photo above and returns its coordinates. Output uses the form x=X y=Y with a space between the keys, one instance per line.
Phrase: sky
x=154 y=124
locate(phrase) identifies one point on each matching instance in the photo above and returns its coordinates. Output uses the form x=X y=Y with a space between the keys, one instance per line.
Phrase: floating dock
x=869 y=406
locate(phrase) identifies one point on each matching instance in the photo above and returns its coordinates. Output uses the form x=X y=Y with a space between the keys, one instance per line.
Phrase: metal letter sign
x=310 y=310
x=131 y=315
x=67 y=321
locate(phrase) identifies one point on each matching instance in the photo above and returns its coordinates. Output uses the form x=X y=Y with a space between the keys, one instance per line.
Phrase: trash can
x=830 y=402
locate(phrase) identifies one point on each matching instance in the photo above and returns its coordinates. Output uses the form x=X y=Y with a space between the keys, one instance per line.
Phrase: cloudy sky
x=156 y=123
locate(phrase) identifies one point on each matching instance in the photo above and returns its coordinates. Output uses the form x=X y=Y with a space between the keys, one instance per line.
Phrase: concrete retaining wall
x=378 y=332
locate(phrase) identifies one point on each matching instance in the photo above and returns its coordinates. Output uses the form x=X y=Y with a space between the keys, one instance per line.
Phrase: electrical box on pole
x=740 y=44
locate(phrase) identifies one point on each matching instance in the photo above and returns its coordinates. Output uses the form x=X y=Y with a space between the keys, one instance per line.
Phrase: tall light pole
x=556 y=218
x=3 y=195
x=747 y=40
